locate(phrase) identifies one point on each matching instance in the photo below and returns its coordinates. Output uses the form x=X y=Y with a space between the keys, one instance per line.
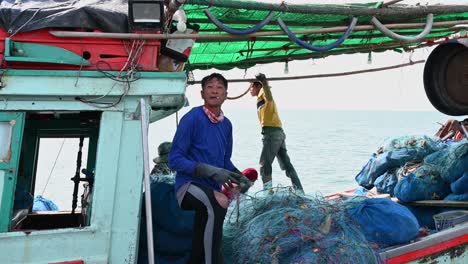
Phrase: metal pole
x=464 y=129
x=76 y=179
x=146 y=179
x=220 y=37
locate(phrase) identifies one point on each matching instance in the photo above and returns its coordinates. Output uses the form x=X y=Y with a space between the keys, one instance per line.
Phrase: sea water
x=327 y=147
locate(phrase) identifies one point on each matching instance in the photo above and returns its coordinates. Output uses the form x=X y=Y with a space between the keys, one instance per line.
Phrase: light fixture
x=146 y=14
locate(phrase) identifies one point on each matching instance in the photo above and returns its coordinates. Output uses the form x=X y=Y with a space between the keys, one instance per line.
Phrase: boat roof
x=324 y=24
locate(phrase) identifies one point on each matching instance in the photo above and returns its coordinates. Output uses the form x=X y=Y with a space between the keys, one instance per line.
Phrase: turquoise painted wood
x=112 y=236
x=86 y=83
x=30 y=52
x=13 y=122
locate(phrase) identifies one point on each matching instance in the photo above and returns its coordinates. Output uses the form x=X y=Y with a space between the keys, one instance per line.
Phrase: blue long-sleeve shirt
x=199 y=140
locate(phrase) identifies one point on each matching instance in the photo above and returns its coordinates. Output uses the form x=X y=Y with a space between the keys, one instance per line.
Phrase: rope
x=239 y=96
x=323 y=75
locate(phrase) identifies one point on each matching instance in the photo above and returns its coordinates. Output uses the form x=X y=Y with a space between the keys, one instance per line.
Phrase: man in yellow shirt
x=274 y=139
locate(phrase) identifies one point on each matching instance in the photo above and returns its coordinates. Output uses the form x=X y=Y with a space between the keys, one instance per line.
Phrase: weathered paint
x=2 y=180
x=75 y=83
x=5 y=143
x=112 y=236
x=455 y=255
x=447 y=245
x=127 y=208
x=9 y=166
x=32 y=52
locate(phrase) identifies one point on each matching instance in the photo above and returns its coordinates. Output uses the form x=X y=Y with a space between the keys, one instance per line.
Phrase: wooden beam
x=435 y=203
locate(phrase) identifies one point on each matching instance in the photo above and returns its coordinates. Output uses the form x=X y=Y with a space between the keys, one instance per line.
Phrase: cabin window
x=56 y=167
x=6 y=131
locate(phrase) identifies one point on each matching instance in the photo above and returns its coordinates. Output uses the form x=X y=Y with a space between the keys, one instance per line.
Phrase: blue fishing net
x=424 y=183
x=460 y=186
x=387 y=182
x=284 y=227
x=423 y=145
x=452 y=161
x=394 y=154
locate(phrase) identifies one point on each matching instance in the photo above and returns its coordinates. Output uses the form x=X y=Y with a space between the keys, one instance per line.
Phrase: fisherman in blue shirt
x=201 y=156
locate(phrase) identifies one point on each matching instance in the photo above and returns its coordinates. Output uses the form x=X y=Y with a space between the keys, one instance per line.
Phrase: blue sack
x=166 y=243
x=43 y=204
x=452 y=161
x=380 y=164
x=172 y=226
x=385 y=222
x=425 y=215
x=457 y=197
x=167 y=214
x=387 y=182
x=365 y=177
x=460 y=186
x=424 y=183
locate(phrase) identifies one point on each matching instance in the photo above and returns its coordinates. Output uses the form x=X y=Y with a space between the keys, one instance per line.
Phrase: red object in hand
x=250 y=173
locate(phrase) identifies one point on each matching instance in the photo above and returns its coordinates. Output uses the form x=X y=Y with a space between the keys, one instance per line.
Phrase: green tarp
x=246 y=52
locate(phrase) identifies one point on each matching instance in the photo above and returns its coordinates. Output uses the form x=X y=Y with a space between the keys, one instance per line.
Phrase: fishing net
x=394 y=153
x=284 y=227
x=452 y=161
x=460 y=186
x=424 y=183
x=423 y=145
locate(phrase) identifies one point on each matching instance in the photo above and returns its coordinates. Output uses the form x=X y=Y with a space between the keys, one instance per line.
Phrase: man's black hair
x=212 y=76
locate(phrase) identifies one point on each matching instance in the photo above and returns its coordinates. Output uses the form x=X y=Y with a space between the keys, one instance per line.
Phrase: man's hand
x=244 y=186
x=223 y=176
x=262 y=78
x=244 y=183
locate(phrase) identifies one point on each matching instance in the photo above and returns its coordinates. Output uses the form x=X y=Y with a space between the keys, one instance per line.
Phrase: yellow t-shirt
x=266 y=109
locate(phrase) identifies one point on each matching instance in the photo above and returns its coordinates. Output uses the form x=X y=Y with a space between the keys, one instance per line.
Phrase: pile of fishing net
x=414 y=168
x=395 y=153
x=285 y=227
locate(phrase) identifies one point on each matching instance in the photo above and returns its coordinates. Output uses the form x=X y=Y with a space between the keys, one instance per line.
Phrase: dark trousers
x=274 y=145
x=208 y=225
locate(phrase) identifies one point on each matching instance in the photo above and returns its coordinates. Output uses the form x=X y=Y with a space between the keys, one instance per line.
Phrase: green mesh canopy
x=247 y=51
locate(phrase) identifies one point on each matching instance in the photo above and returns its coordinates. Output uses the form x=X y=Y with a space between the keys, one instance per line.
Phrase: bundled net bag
x=394 y=154
x=424 y=183
x=385 y=222
x=424 y=145
x=452 y=162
